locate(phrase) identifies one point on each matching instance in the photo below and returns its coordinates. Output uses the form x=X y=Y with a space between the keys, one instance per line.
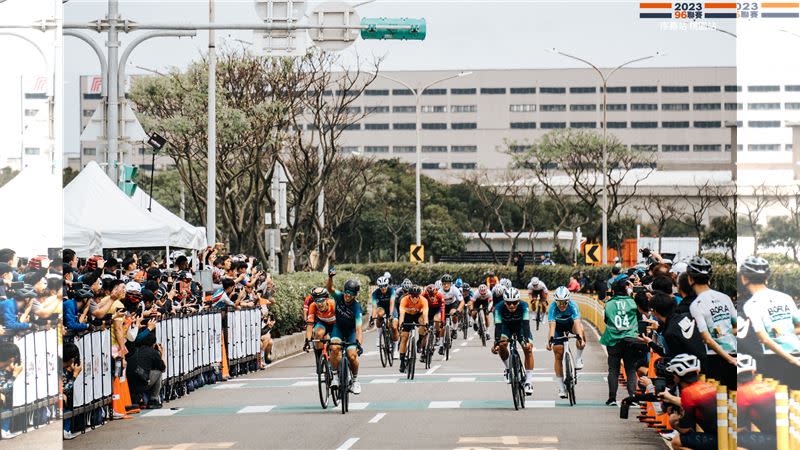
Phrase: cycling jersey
x=435 y=303
x=482 y=298
x=383 y=299
x=540 y=293
x=315 y=314
x=452 y=295
x=776 y=314
x=413 y=305
x=348 y=315
x=699 y=403
x=306 y=303
x=570 y=314
x=755 y=401
x=469 y=296
x=714 y=313
x=512 y=323
x=491 y=281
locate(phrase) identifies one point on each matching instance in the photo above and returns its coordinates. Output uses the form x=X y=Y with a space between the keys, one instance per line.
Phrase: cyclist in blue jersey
x=512 y=318
x=383 y=307
x=346 y=329
x=564 y=318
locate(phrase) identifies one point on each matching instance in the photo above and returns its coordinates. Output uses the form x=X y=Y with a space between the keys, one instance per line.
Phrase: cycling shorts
x=750 y=439
x=450 y=307
x=327 y=326
x=345 y=335
x=478 y=304
x=507 y=333
x=410 y=320
x=434 y=314
x=699 y=441
x=563 y=328
x=385 y=305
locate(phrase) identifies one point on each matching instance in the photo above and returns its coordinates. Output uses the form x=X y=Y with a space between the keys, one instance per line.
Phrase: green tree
x=721 y=233
x=783 y=231
x=68 y=175
x=441 y=235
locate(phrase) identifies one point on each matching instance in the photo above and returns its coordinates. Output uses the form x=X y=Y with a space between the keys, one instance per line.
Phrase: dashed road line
x=257 y=409
x=229 y=386
x=377 y=418
x=384 y=380
x=305 y=383
x=432 y=369
x=461 y=380
x=444 y=405
x=347 y=444
x=164 y=412
x=358 y=406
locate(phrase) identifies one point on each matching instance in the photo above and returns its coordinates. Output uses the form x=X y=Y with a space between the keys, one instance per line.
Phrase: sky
x=462 y=35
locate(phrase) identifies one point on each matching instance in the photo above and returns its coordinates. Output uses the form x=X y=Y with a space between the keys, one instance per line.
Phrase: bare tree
x=753 y=207
x=661 y=209
x=698 y=200
x=494 y=196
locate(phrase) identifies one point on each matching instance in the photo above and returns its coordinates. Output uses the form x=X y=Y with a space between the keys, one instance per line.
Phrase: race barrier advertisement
x=244 y=335
x=190 y=344
x=93 y=384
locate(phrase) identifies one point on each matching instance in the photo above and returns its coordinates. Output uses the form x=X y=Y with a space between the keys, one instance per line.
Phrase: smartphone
x=81 y=262
x=178 y=286
x=22 y=261
x=119 y=273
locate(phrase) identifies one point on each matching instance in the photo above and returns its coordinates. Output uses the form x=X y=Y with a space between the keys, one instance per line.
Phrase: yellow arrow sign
x=593 y=253
x=416 y=253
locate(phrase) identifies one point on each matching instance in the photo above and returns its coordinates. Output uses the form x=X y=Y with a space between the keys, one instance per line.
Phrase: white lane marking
x=370 y=353
x=377 y=418
x=357 y=406
x=389 y=376
x=456 y=350
x=446 y=405
x=304 y=383
x=432 y=369
x=463 y=344
x=384 y=380
x=162 y=412
x=347 y=444
x=471 y=337
x=541 y=379
x=508 y=440
x=257 y=409
x=540 y=403
x=229 y=386
x=461 y=380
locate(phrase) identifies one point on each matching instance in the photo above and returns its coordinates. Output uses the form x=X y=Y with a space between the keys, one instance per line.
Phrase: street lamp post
x=418 y=97
x=604 y=79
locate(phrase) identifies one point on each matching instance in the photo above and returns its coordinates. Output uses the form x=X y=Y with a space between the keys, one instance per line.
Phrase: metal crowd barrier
x=592 y=310
x=93 y=385
x=192 y=345
x=243 y=335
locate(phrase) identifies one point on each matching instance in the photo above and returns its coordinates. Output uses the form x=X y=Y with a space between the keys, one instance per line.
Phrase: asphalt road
x=462 y=403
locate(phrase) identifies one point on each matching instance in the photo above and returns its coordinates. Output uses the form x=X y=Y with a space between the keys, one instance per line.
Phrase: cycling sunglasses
x=350 y=293
x=514 y=303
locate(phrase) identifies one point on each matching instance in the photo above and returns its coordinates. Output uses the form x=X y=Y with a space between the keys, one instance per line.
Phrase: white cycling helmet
x=133 y=286
x=506 y=283
x=483 y=289
x=562 y=294
x=745 y=363
x=511 y=295
x=382 y=282
x=387 y=275
x=683 y=364
x=498 y=290
x=535 y=283
x=406 y=285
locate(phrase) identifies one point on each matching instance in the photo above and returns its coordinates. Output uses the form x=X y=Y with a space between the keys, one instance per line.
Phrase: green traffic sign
x=128 y=181
x=393 y=28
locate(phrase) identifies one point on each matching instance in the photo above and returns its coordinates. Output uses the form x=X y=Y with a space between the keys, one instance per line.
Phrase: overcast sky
x=461 y=35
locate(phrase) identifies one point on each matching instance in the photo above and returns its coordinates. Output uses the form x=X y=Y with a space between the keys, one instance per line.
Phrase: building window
x=430 y=166
x=522 y=108
x=643 y=89
x=582 y=90
x=674 y=106
x=732 y=88
x=85 y=96
x=434 y=126
x=519 y=148
x=376 y=149
x=674 y=89
x=433 y=108
x=142 y=151
x=706 y=89
x=616 y=124
x=376 y=109
x=90 y=151
x=739 y=147
x=616 y=89
x=792 y=105
x=591 y=107
x=763 y=147
x=33 y=112
x=583 y=124
x=463 y=148
x=404 y=126
x=792 y=88
x=523 y=90
x=788 y=147
x=348 y=149
x=462 y=91
x=31 y=150
x=434 y=149
x=352 y=109
x=764 y=88
x=678 y=124
x=463 y=166
x=463 y=108
x=347 y=93
x=644 y=124
x=552 y=90
x=402 y=92
x=733 y=106
x=764 y=123
x=463 y=126
x=552 y=108
x=645 y=147
x=434 y=92
x=674 y=148
x=493 y=91
x=86 y=112
x=350 y=127
x=707 y=124
x=404 y=149
x=644 y=106
x=523 y=125
x=551 y=125
x=404 y=109
x=376 y=92
x=707 y=147
x=376 y=126
x=763 y=106
x=615 y=107
x=707 y=106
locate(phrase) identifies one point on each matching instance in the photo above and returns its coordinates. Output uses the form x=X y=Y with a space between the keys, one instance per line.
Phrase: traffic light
x=392 y=28
x=128 y=180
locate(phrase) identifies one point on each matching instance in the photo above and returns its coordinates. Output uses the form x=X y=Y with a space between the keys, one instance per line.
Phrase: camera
x=645 y=252
x=16 y=285
x=625 y=406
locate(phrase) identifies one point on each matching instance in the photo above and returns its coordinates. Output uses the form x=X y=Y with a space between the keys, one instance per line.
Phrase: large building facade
x=33 y=145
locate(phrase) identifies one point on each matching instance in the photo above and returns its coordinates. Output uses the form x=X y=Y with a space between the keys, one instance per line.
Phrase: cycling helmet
x=382 y=282
x=465 y=287
x=511 y=295
x=447 y=278
x=745 y=363
x=754 y=265
x=319 y=293
x=498 y=290
x=28 y=292
x=406 y=285
x=387 y=275
x=535 y=282
x=133 y=286
x=458 y=283
x=699 y=266
x=490 y=273
x=683 y=364
x=430 y=289
x=351 y=287
x=562 y=294
x=483 y=289
x=415 y=290
x=506 y=283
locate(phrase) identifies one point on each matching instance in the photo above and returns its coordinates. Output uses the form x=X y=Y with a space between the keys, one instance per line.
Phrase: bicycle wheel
x=482 y=326
x=411 y=358
x=538 y=316
x=323 y=382
x=344 y=387
x=464 y=322
x=427 y=352
x=448 y=341
x=334 y=393
x=520 y=372
x=383 y=347
x=512 y=368
x=569 y=377
x=390 y=349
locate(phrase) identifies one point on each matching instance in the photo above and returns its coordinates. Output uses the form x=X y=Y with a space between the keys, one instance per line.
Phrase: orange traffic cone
x=119 y=392
x=130 y=407
x=225 y=371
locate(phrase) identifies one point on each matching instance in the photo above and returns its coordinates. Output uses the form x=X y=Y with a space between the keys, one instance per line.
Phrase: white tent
x=184 y=234
x=33 y=220
x=93 y=200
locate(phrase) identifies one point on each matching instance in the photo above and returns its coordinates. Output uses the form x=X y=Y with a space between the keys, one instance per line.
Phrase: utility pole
x=211 y=186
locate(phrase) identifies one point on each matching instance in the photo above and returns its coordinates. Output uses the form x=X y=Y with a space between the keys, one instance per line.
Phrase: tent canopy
x=183 y=234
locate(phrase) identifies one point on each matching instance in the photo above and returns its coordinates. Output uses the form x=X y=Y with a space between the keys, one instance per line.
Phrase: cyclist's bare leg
x=379 y=317
x=336 y=353
x=527 y=348
x=319 y=333
x=395 y=332
x=352 y=357
x=423 y=332
x=403 y=342
x=558 y=357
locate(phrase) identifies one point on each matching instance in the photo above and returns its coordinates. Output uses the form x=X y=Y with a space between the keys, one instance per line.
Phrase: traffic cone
x=118 y=394
x=130 y=407
x=225 y=371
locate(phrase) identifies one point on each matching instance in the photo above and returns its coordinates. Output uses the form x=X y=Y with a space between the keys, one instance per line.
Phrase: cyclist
x=346 y=329
x=755 y=403
x=466 y=292
x=435 y=301
x=716 y=321
x=413 y=310
x=698 y=400
x=320 y=319
x=564 y=318
x=399 y=293
x=491 y=279
x=482 y=299
x=310 y=298
x=537 y=292
x=383 y=300
x=453 y=301
x=497 y=296
x=506 y=283
x=775 y=321
x=512 y=318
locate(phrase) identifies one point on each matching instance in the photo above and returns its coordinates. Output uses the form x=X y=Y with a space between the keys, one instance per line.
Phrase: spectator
x=145 y=369
x=71 y=368
x=222 y=296
x=6 y=278
x=47 y=301
x=698 y=402
x=677 y=331
x=685 y=292
x=519 y=261
x=621 y=328
x=584 y=281
x=573 y=285
x=15 y=310
x=76 y=311
x=69 y=257
x=616 y=272
x=10 y=368
x=601 y=286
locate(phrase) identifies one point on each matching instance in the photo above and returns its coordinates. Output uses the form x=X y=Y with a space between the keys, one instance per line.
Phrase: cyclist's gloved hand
x=371 y=322
x=306 y=345
x=359 y=348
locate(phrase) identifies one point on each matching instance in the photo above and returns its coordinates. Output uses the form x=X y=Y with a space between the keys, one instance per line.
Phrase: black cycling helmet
x=319 y=293
x=351 y=287
x=465 y=287
x=754 y=265
x=415 y=290
x=447 y=278
x=83 y=294
x=699 y=266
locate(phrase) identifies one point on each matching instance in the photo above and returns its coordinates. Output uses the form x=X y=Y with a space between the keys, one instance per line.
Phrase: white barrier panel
x=244 y=333
x=39 y=358
x=190 y=342
x=94 y=381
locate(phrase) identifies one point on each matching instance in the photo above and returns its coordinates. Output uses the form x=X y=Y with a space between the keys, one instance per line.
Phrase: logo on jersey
x=687 y=327
x=743 y=326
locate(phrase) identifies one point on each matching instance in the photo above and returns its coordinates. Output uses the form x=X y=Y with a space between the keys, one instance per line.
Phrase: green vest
x=621 y=316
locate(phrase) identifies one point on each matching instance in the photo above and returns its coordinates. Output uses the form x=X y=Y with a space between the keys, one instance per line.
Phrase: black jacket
x=680 y=335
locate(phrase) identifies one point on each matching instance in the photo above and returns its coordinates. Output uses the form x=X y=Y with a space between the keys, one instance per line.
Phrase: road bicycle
x=430 y=346
x=447 y=342
x=540 y=311
x=411 y=350
x=480 y=318
x=463 y=321
x=385 y=343
x=568 y=367
x=325 y=377
x=344 y=376
x=516 y=374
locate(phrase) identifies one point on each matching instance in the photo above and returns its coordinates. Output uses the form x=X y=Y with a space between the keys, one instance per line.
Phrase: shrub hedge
x=291 y=290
